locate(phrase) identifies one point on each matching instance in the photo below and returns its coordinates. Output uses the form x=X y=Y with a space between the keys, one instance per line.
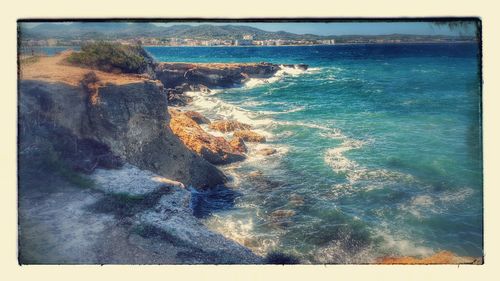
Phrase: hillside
x=131 y=31
x=110 y=30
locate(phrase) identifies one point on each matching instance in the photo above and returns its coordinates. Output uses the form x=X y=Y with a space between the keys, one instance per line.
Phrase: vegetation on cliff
x=112 y=57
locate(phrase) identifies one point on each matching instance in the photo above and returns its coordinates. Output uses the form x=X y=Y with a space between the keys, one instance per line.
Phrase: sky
x=344 y=28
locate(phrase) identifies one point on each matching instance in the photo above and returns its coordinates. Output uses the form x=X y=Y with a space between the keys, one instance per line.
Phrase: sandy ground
x=55 y=69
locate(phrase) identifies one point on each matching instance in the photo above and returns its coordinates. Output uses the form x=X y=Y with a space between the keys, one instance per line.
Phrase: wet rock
x=177 y=97
x=200 y=88
x=197 y=117
x=213 y=74
x=296 y=200
x=302 y=66
x=267 y=151
x=443 y=257
x=282 y=214
x=238 y=144
x=249 y=136
x=228 y=126
x=255 y=174
x=215 y=150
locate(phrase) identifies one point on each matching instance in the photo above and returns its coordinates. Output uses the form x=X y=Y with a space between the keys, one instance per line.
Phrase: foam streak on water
x=378 y=151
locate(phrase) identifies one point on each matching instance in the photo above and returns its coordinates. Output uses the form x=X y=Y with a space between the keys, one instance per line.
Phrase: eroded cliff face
x=130 y=119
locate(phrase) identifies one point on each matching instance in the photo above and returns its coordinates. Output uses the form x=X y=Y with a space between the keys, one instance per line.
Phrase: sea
x=379 y=151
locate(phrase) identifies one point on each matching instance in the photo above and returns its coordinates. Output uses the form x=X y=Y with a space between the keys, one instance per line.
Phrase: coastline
x=204 y=75
x=39 y=93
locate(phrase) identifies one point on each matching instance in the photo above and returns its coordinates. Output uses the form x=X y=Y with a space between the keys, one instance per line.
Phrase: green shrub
x=111 y=57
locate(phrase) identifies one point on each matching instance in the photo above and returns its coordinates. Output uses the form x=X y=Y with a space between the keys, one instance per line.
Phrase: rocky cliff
x=75 y=120
x=129 y=116
x=131 y=119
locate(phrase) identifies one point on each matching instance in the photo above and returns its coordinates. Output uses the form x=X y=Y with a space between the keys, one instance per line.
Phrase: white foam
x=335 y=158
x=218 y=109
x=399 y=245
x=241 y=230
x=422 y=205
x=282 y=72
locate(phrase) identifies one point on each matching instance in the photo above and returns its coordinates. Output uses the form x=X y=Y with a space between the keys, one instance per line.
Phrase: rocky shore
x=134 y=151
x=107 y=163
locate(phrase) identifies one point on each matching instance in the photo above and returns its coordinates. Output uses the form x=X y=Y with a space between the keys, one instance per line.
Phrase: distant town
x=247 y=40
x=146 y=34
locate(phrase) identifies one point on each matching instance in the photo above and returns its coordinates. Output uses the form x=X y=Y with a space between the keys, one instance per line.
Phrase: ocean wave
x=340 y=252
x=282 y=72
x=218 y=109
x=308 y=125
x=422 y=205
x=291 y=110
x=241 y=230
x=252 y=103
x=359 y=178
x=396 y=244
x=335 y=158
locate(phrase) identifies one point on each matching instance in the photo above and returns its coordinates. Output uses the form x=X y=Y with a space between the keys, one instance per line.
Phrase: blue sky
x=347 y=28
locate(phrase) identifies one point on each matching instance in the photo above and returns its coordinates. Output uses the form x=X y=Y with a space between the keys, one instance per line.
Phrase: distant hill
x=115 y=30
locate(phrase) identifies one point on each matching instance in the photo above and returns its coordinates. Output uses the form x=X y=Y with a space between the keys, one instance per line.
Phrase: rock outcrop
x=212 y=75
x=228 y=126
x=249 y=136
x=300 y=66
x=267 y=151
x=130 y=119
x=166 y=209
x=238 y=144
x=197 y=117
x=129 y=216
x=215 y=150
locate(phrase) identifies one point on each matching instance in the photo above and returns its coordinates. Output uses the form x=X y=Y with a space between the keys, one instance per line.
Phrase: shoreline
x=201 y=73
x=437 y=257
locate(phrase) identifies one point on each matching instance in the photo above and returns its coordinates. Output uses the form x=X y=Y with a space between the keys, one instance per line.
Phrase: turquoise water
x=379 y=151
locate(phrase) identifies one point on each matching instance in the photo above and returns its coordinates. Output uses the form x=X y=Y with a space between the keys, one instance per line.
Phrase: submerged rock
x=228 y=126
x=249 y=136
x=267 y=151
x=197 y=117
x=296 y=200
x=255 y=174
x=281 y=214
x=238 y=144
x=215 y=150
